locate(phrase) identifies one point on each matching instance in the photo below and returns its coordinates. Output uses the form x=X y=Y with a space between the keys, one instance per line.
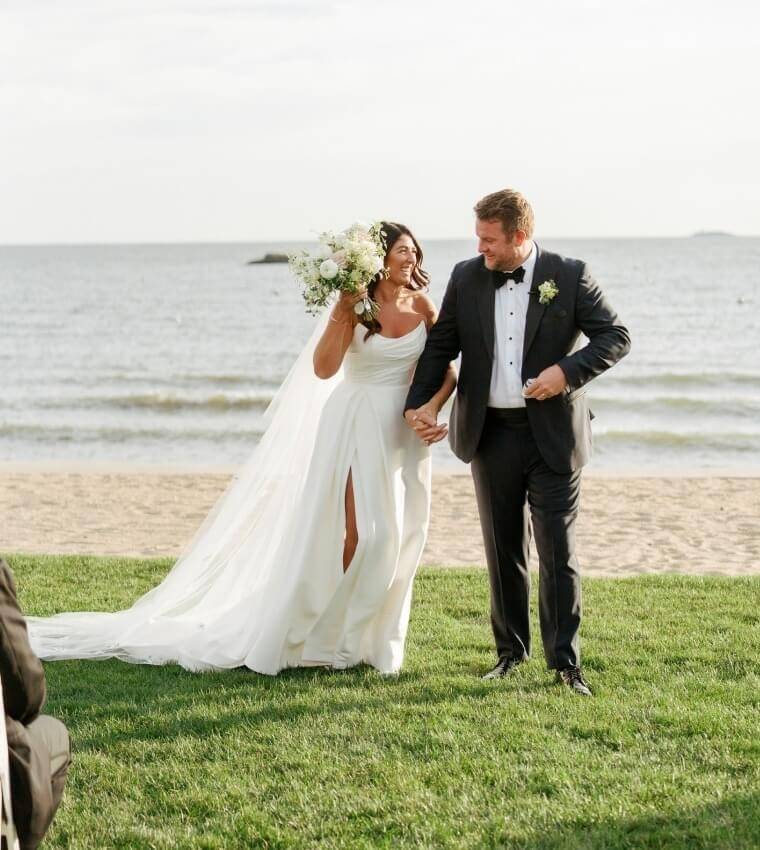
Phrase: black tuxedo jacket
x=560 y=425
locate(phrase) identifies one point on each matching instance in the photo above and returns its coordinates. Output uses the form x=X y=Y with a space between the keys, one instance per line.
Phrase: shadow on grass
x=131 y=704
x=109 y=704
x=731 y=824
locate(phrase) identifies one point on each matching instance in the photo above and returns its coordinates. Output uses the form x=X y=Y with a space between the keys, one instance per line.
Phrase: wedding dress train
x=262 y=584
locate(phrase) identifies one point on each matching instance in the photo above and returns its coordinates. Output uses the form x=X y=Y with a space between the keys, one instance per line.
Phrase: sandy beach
x=628 y=526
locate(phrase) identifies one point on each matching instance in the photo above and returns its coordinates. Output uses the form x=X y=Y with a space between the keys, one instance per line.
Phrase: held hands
x=550 y=382
x=424 y=422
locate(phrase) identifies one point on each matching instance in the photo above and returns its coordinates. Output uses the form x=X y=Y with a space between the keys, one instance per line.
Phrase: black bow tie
x=500 y=278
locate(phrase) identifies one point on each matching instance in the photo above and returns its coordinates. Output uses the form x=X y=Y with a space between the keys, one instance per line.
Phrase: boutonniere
x=547 y=291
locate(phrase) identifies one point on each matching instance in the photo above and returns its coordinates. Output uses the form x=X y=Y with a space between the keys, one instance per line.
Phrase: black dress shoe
x=503 y=667
x=573 y=678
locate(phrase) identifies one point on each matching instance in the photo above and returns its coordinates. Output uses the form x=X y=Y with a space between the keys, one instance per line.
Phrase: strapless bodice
x=383 y=361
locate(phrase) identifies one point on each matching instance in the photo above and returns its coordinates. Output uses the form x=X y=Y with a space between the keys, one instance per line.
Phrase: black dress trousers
x=516 y=489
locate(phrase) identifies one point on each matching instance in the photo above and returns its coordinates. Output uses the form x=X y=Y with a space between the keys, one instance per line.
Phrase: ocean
x=169 y=354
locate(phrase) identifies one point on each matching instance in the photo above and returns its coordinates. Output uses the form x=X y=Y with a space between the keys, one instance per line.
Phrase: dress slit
x=350 y=486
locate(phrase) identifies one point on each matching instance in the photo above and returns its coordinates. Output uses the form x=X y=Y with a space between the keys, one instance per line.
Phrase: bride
x=308 y=558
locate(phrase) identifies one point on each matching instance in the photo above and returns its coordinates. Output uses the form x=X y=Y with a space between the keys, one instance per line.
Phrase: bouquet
x=344 y=262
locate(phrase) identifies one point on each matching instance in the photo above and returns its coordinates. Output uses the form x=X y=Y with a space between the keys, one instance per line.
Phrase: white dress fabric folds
x=262 y=584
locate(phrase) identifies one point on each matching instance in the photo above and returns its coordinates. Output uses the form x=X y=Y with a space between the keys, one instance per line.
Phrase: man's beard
x=497 y=265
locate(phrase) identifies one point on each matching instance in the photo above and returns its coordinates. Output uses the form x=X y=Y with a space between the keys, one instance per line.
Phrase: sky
x=163 y=121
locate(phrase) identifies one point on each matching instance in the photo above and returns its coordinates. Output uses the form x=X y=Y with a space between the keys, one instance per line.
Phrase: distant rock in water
x=269 y=258
x=711 y=233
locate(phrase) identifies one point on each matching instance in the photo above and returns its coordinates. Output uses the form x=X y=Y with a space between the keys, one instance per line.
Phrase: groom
x=521 y=417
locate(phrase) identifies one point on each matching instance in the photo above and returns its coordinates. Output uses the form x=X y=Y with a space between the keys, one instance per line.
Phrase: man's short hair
x=510 y=208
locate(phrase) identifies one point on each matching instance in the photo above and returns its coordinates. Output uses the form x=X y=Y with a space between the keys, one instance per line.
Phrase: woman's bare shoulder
x=423 y=304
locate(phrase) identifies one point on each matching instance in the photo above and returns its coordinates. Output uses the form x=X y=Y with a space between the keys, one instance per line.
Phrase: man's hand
x=424 y=422
x=550 y=382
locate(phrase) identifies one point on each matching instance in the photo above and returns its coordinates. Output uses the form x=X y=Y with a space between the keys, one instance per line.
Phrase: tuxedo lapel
x=487 y=307
x=536 y=310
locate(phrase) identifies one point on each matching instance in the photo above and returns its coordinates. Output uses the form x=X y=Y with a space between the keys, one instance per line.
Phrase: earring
x=386 y=272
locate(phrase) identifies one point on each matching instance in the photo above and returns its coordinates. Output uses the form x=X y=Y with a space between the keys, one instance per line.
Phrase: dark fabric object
x=21 y=671
x=40 y=756
x=38 y=746
x=513 y=483
x=31 y=789
x=560 y=425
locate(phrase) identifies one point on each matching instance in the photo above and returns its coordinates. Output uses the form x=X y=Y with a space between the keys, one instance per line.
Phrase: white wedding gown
x=262 y=583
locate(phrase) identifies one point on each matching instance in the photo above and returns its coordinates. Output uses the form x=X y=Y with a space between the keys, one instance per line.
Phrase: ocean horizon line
x=304 y=240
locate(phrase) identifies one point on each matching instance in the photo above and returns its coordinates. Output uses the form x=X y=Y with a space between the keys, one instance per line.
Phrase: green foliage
x=664 y=756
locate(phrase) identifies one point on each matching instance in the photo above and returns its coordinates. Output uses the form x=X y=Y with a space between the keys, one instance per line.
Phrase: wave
x=203 y=378
x=685 y=379
x=719 y=406
x=165 y=402
x=736 y=441
x=187 y=379
x=105 y=434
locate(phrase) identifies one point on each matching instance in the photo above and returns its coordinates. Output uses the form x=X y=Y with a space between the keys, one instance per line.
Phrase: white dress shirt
x=511 y=311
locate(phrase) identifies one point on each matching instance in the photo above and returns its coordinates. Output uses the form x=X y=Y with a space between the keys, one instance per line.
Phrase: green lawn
x=664 y=756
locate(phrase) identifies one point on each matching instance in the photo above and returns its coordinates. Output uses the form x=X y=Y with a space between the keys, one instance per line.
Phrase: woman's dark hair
x=392 y=232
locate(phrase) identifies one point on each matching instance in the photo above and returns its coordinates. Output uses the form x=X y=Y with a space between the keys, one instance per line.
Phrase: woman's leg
x=352 y=534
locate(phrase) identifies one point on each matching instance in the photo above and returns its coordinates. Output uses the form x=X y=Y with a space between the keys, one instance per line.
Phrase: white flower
x=328 y=269
x=324 y=252
x=547 y=291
